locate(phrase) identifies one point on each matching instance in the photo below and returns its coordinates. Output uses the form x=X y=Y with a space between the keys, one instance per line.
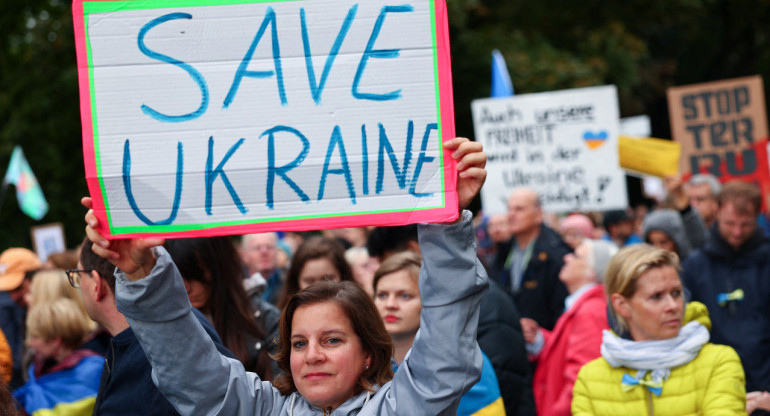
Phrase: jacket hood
x=696 y=311
x=669 y=222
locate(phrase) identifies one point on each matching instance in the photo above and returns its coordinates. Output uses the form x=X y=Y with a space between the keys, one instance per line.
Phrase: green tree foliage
x=39 y=110
x=643 y=47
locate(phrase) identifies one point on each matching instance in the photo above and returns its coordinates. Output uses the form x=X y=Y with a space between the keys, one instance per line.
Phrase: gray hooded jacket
x=445 y=360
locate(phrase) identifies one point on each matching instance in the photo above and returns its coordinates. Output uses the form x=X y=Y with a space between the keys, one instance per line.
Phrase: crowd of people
x=665 y=312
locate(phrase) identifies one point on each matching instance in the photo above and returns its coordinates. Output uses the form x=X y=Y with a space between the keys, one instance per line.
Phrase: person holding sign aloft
x=333 y=348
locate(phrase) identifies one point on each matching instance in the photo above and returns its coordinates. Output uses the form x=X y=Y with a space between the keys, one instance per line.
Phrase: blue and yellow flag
x=28 y=190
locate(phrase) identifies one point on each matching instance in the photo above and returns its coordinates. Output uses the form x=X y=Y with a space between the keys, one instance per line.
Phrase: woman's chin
x=670 y=331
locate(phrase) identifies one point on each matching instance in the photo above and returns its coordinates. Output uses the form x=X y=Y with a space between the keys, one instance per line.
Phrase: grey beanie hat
x=669 y=222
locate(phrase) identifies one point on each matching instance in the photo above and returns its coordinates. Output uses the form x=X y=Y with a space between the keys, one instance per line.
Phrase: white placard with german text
x=563 y=144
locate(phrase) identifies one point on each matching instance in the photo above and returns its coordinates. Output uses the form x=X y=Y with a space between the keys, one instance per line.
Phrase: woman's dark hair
x=92 y=261
x=364 y=319
x=313 y=248
x=215 y=263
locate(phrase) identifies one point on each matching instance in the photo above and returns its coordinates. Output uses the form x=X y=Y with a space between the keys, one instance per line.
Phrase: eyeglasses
x=73 y=275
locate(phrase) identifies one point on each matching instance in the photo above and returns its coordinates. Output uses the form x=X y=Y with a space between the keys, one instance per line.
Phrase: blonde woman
x=62 y=377
x=50 y=285
x=658 y=359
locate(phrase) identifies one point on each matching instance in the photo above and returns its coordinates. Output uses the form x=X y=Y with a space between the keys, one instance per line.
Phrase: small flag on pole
x=28 y=191
x=501 y=80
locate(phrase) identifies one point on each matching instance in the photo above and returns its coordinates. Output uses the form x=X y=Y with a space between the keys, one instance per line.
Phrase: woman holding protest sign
x=333 y=348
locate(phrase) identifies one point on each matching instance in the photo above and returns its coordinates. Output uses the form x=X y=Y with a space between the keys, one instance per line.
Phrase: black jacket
x=744 y=325
x=500 y=337
x=126 y=387
x=542 y=294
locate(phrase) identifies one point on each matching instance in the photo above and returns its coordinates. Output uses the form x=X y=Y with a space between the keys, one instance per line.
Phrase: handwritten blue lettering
x=211 y=176
x=385 y=146
x=281 y=171
x=243 y=67
x=422 y=158
x=130 y=193
x=196 y=76
x=336 y=141
x=365 y=160
x=317 y=89
x=370 y=52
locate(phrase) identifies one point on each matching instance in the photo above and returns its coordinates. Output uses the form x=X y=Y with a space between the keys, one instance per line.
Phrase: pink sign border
x=446 y=213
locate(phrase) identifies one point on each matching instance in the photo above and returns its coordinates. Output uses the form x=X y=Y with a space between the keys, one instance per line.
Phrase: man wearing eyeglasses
x=126 y=386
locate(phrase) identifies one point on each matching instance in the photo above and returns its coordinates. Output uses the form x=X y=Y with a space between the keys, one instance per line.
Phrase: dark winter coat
x=542 y=294
x=500 y=337
x=745 y=324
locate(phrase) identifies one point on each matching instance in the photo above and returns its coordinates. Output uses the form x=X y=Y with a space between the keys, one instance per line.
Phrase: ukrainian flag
x=68 y=392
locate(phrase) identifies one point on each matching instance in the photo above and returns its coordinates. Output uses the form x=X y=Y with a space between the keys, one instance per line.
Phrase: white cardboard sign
x=214 y=117
x=562 y=144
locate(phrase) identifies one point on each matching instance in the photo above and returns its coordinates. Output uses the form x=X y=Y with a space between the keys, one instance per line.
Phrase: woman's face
x=398 y=300
x=363 y=272
x=327 y=357
x=660 y=239
x=656 y=310
x=575 y=269
x=316 y=270
x=198 y=293
x=43 y=349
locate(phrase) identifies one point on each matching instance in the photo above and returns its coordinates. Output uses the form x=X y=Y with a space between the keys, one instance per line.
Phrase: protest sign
x=233 y=116
x=649 y=155
x=48 y=239
x=563 y=144
x=719 y=125
x=640 y=126
x=637 y=126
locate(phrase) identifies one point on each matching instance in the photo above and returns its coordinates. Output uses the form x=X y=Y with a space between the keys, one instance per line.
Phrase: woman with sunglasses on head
x=333 y=349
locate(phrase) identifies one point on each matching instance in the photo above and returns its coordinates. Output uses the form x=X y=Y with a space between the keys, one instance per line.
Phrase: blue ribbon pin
x=735 y=295
x=628 y=384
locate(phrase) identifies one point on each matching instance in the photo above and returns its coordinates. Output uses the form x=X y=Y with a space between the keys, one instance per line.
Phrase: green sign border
x=96 y=7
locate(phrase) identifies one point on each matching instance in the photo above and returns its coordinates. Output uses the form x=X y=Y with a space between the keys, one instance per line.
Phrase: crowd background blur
x=642 y=48
x=535 y=348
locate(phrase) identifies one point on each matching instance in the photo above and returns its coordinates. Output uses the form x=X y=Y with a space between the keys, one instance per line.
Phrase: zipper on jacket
x=648 y=395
